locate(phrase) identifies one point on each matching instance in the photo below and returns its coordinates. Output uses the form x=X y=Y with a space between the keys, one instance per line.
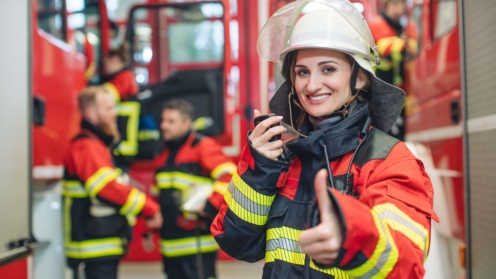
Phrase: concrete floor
x=225 y=270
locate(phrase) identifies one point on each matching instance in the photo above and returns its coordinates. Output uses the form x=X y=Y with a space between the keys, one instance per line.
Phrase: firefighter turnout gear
x=96 y=206
x=392 y=41
x=124 y=88
x=383 y=196
x=189 y=161
x=386 y=213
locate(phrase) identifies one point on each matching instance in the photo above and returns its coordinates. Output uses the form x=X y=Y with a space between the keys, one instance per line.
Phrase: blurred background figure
x=396 y=39
x=120 y=81
x=191 y=167
x=99 y=208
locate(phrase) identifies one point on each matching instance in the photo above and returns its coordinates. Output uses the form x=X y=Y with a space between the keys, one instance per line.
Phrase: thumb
x=323 y=200
x=256 y=113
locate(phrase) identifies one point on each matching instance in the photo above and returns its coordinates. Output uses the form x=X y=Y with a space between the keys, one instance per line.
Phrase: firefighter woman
x=374 y=219
x=120 y=81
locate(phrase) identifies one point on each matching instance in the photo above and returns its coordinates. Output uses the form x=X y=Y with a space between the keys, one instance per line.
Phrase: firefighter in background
x=189 y=160
x=396 y=39
x=120 y=81
x=374 y=220
x=98 y=209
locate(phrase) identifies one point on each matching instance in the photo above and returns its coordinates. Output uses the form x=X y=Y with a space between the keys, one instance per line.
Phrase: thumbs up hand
x=323 y=242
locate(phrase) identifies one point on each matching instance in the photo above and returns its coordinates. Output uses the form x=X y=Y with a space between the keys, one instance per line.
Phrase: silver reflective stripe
x=246 y=203
x=283 y=243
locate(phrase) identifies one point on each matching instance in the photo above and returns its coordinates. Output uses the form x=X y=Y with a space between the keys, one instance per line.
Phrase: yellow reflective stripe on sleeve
x=86 y=249
x=100 y=179
x=134 y=204
x=220 y=187
x=73 y=189
x=222 y=169
x=188 y=246
x=179 y=180
x=113 y=90
x=131 y=110
x=246 y=203
x=385 y=256
x=248 y=192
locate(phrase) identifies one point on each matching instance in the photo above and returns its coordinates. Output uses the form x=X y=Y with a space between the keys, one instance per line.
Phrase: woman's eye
x=302 y=72
x=329 y=70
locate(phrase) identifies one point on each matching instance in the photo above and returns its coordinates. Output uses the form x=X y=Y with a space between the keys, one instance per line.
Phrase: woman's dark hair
x=122 y=52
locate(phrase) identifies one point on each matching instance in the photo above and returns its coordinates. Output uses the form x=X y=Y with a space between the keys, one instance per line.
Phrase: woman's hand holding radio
x=265 y=138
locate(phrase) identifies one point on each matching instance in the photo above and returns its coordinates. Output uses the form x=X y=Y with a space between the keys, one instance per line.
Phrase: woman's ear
x=360 y=83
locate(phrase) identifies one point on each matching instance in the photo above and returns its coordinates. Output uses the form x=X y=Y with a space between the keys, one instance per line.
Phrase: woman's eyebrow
x=326 y=62
x=300 y=66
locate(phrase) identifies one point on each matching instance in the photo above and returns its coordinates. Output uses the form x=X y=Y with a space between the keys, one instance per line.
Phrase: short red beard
x=110 y=129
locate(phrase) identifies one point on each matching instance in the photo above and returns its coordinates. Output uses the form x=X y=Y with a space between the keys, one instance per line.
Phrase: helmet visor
x=276 y=36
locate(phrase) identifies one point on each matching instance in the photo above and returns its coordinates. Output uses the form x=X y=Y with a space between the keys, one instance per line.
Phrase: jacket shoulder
x=377 y=146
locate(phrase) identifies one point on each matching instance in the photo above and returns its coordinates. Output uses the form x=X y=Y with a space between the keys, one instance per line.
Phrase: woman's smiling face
x=322 y=80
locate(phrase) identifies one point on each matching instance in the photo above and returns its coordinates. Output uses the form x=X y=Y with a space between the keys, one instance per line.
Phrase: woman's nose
x=314 y=84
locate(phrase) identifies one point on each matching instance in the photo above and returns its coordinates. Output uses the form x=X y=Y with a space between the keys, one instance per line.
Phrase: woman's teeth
x=319 y=97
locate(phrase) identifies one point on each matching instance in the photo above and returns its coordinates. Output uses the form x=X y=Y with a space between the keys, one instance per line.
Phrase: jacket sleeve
x=387 y=230
x=99 y=176
x=240 y=226
x=220 y=168
x=122 y=86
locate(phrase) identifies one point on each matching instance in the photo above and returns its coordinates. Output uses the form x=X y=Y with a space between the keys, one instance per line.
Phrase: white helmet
x=328 y=24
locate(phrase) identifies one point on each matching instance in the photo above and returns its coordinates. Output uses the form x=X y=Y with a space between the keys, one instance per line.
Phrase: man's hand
x=154 y=222
x=147 y=243
x=323 y=242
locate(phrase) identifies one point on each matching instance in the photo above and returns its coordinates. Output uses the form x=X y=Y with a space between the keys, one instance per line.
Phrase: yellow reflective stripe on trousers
x=134 y=203
x=179 y=180
x=86 y=249
x=246 y=203
x=100 y=179
x=131 y=110
x=188 y=246
x=113 y=90
x=73 y=189
x=385 y=256
x=222 y=169
x=282 y=244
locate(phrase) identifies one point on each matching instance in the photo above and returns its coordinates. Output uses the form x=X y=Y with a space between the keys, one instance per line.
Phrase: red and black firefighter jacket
x=385 y=211
x=392 y=47
x=124 y=88
x=96 y=206
x=190 y=161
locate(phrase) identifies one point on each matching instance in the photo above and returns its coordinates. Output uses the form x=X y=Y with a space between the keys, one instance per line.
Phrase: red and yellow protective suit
x=386 y=223
x=190 y=161
x=392 y=41
x=97 y=208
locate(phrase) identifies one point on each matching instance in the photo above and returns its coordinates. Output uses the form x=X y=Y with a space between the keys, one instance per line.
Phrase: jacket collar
x=176 y=144
x=339 y=138
x=106 y=139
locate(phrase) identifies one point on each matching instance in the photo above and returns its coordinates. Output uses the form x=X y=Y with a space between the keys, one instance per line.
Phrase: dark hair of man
x=122 y=52
x=184 y=107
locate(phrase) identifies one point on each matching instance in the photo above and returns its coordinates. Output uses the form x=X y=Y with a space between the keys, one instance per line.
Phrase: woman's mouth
x=318 y=98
